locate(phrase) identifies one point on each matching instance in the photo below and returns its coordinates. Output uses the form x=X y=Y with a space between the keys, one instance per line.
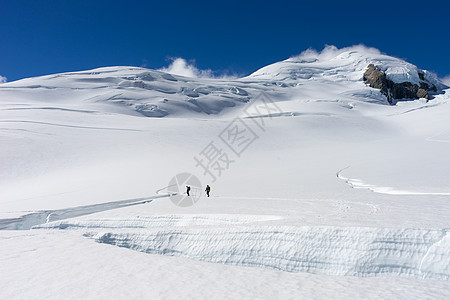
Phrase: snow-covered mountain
x=347 y=64
x=333 y=74
x=315 y=174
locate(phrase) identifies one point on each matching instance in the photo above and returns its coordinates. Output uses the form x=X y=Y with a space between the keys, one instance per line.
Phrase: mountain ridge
x=335 y=73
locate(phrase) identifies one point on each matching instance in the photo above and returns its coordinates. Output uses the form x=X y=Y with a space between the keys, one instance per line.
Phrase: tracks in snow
x=359 y=184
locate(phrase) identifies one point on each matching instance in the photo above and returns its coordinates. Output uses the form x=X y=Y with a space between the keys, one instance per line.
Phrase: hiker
x=208 y=189
x=188 y=189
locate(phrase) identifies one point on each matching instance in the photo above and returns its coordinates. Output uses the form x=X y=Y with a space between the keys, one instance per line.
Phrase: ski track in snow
x=359 y=184
x=55 y=108
x=416 y=109
x=69 y=126
x=433 y=138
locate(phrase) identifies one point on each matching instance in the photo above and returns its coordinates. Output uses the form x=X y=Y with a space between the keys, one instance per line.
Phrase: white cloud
x=446 y=80
x=180 y=66
x=2 y=79
x=330 y=51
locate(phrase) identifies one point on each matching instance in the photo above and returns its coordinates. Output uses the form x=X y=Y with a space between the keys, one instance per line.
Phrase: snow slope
x=334 y=183
x=347 y=64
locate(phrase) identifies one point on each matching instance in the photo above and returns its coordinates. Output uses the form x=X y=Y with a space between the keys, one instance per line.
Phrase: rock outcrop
x=406 y=90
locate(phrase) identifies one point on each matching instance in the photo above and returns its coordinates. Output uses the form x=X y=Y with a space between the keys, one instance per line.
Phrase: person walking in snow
x=208 y=189
x=188 y=189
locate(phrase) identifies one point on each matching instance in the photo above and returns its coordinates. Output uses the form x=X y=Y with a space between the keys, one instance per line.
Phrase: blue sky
x=231 y=37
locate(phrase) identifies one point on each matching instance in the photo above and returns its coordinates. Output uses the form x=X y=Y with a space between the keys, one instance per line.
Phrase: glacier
x=340 y=193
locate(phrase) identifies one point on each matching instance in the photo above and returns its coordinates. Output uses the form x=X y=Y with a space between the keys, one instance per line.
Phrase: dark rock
x=427 y=87
x=424 y=86
x=403 y=90
x=376 y=78
x=421 y=76
x=406 y=90
x=421 y=93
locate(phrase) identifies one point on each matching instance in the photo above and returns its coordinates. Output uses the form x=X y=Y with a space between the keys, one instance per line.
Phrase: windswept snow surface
x=339 y=195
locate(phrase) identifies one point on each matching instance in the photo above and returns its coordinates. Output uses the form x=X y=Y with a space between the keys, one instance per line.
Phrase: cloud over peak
x=182 y=67
x=330 y=51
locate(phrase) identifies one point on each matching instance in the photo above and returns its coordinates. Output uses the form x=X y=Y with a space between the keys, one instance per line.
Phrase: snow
x=339 y=195
x=347 y=64
x=322 y=250
x=98 y=271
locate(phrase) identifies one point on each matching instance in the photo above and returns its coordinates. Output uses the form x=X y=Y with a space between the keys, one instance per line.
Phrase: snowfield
x=329 y=193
